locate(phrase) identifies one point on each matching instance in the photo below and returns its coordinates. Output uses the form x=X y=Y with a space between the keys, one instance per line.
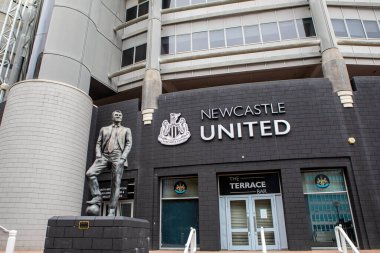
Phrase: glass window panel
x=168 y=4
x=301 y=29
x=238 y=214
x=372 y=29
x=234 y=36
x=131 y=13
x=252 y=34
x=308 y=26
x=264 y=216
x=355 y=28
x=180 y=3
x=339 y=27
x=269 y=238
x=330 y=213
x=335 y=178
x=167 y=45
x=183 y=43
x=240 y=238
x=198 y=1
x=143 y=8
x=305 y=27
x=168 y=188
x=327 y=206
x=128 y=57
x=288 y=30
x=217 y=39
x=269 y=32
x=140 y=53
x=200 y=41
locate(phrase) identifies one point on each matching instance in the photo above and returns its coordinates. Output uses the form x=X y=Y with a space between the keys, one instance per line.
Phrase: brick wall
x=320 y=127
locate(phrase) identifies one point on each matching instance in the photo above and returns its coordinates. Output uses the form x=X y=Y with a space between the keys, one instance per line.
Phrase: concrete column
x=333 y=65
x=43 y=147
x=65 y=47
x=40 y=37
x=152 y=85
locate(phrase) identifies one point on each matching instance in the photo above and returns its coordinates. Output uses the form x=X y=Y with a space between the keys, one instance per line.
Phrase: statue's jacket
x=124 y=140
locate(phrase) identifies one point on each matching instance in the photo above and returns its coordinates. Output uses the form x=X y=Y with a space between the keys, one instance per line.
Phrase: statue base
x=95 y=234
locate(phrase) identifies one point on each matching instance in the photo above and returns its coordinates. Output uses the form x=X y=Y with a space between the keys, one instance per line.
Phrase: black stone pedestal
x=97 y=234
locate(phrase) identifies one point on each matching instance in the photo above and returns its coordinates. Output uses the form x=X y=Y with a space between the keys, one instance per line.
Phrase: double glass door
x=245 y=217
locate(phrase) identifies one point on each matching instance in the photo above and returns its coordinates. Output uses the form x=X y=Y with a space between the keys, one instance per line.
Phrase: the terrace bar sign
x=236 y=130
x=249 y=184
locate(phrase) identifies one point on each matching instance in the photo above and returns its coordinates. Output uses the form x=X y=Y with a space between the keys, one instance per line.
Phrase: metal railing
x=342 y=238
x=11 y=239
x=191 y=242
x=263 y=242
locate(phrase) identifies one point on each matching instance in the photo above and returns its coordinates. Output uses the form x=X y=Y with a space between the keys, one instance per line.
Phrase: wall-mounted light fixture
x=351 y=140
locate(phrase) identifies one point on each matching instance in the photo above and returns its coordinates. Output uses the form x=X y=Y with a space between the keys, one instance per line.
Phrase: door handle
x=249 y=225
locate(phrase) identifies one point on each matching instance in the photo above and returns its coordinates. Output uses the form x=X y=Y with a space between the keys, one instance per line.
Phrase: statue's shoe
x=94 y=200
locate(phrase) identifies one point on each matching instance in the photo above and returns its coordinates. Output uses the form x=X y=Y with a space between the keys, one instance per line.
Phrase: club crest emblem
x=180 y=187
x=322 y=181
x=174 y=132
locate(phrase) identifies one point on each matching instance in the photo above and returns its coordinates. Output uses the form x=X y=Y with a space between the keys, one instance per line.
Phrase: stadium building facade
x=244 y=114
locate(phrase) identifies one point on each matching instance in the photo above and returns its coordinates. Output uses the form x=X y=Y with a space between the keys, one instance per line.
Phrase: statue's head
x=117 y=116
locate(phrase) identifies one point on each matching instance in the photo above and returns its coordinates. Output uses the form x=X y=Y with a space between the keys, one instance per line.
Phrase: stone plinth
x=89 y=234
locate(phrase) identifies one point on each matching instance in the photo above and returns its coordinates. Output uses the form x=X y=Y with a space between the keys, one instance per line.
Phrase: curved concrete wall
x=43 y=136
x=81 y=42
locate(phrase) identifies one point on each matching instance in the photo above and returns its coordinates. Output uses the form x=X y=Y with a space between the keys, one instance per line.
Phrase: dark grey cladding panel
x=363 y=123
x=2 y=107
x=312 y=110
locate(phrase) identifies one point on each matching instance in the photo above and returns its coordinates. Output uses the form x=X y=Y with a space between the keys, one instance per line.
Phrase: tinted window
x=355 y=28
x=167 y=4
x=217 y=38
x=339 y=27
x=305 y=27
x=183 y=43
x=198 y=1
x=372 y=29
x=181 y=3
x=131 y=13
x=269 y=32
x=234 y=36
x=143 y=8
x=200 y=41
x=288 y=30
x=128 y=57
x=252 y=34
x=140 y=53
x=167 y=45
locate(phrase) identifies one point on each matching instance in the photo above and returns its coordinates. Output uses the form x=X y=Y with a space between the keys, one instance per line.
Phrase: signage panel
x=249 y=184
x=105 y=190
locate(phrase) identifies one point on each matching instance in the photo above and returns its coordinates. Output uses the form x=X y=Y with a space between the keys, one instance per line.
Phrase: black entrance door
x=177 y=218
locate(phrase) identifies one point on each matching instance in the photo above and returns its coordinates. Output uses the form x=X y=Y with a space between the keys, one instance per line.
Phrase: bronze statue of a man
x=112 y=148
